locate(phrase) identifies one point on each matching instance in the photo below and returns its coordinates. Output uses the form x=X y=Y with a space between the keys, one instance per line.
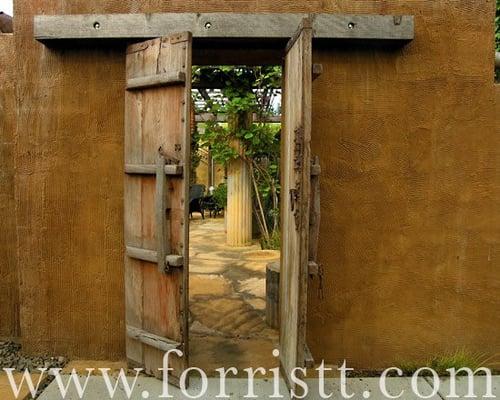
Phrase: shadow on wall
x=5 y=23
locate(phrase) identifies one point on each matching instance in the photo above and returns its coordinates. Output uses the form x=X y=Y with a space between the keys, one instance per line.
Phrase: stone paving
x=359 y=388
x=227 y=301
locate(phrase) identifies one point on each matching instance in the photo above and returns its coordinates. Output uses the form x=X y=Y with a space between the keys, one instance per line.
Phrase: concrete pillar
x=239 y=193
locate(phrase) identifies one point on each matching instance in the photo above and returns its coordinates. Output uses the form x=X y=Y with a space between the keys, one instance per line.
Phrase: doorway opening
x=234 y=227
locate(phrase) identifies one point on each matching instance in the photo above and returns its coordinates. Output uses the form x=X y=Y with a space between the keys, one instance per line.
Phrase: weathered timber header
x=221 y=25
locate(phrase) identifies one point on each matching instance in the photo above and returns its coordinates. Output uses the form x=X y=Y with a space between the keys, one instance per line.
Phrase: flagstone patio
x=227 y=301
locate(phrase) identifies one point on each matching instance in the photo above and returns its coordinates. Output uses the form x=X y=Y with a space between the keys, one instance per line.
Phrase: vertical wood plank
x=295 y=200
x=161 y=123
x=132 y=203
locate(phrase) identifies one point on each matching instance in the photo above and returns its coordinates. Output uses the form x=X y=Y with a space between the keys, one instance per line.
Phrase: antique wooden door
x=157 y=160
x=295 y=199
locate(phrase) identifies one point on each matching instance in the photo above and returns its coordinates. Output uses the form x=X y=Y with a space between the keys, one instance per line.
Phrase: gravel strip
x=11 y=356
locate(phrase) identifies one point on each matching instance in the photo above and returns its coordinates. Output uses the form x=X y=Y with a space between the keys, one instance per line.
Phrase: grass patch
x=440 y=364
x=273 y=243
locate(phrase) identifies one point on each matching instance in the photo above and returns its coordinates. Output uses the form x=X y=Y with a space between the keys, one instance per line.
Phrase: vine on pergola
x=247 y=90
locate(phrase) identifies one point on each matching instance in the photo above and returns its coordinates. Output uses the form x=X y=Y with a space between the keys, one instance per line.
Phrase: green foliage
x=220 y=195
x=273 y=242
x=497 y=36
x=238 y=93
x=497 y=27
x=195 y=155
x=247 y=90
x=440 y=364
x=218 y=138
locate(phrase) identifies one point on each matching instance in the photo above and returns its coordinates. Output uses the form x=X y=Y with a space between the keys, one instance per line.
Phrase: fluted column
x=239 y=193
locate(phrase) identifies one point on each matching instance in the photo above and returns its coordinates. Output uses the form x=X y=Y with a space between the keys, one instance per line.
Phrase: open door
x=156 y=198
x=295 y=199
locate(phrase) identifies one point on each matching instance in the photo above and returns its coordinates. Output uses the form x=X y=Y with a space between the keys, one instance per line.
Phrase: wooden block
x=174 y=261
x=313 y=268
x=272 y=295
x=317 y=71
x=309 y=359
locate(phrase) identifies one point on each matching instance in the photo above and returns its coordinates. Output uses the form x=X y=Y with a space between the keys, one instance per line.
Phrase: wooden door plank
x=160 y=124
x=295 y=202
x=134 y=283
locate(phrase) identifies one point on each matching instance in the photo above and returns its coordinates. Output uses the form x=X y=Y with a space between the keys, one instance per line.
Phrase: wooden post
x=239 y=192
x=273 y=295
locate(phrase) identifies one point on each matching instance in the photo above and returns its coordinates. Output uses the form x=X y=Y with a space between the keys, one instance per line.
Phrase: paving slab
x=210 y=353
x=208 y=285
x=232 y=317
x=369 y=388
x=151 y=388
x=462 y=387
x=253 y=286
x=6 y=392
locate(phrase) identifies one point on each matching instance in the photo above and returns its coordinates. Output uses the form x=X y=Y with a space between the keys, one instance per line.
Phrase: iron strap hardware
x=315 y=268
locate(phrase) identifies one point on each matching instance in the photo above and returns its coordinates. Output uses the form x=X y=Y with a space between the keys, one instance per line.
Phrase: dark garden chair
x=196 y=194
x=211 y=205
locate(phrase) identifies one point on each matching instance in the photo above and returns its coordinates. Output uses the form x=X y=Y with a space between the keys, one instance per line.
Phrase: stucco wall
x=9 y=307
x=410 y=235
x=410 y=216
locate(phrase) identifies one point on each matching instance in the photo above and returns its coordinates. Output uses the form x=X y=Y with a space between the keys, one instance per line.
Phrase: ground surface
x=227 y=301
x=362 y=388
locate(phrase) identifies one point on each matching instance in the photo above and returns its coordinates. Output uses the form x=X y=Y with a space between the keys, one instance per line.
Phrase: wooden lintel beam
x=221 y=26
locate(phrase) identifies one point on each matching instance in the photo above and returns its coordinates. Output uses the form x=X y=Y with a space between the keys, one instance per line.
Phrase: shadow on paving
x=227 y=301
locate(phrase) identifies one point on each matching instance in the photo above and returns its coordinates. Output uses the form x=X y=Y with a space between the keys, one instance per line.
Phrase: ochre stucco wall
x=410 y=185
x=9 y=306
x=410 y=152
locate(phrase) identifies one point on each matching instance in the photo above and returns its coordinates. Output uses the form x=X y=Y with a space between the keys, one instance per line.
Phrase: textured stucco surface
x=410 y=235
x=410 y=185
x=9 y=306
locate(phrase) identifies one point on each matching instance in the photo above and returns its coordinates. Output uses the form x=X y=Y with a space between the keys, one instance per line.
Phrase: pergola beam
x=49 y=28
x=206 y=117
x=217 y=83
